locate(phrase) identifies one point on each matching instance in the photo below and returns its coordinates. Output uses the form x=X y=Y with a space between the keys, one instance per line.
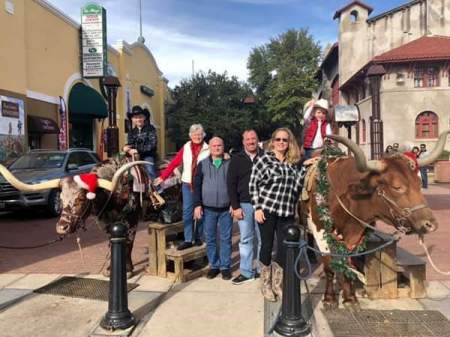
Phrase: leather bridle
x=401 y=215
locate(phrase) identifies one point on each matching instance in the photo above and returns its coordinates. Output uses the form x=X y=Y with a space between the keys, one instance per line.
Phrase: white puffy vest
x=186 y=176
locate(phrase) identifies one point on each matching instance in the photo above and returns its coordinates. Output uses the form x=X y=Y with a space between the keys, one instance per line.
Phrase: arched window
x=427 y=125
x=335 y=91
x=354 y=15
x=363 y=129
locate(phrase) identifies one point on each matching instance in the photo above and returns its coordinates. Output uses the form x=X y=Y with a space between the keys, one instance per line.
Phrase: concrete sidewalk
x=200 y=308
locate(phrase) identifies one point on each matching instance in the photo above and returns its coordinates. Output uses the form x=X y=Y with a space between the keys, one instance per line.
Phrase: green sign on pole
x=94 y=48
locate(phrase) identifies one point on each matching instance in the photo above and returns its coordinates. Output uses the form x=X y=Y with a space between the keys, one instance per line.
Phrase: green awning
x=86 y=102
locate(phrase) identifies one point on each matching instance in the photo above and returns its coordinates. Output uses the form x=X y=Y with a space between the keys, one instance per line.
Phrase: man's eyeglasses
x=284 y=140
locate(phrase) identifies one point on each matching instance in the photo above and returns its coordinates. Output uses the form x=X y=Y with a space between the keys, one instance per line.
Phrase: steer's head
x=75 y=204
x=394 y=188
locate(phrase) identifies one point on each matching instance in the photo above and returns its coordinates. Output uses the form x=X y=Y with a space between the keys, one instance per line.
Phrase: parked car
x=38 y=166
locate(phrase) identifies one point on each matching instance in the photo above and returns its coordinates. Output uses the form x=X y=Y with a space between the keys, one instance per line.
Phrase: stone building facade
x=412 y=43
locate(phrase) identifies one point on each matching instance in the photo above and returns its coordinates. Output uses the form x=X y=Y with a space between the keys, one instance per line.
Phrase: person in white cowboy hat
x=316 y=126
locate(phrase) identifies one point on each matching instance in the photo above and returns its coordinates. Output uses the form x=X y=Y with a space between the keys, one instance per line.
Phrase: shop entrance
x=85 y=106
x=81 y=133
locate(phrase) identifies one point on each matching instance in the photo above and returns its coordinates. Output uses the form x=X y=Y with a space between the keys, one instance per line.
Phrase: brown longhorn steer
x=123 y=205
x=388 y=189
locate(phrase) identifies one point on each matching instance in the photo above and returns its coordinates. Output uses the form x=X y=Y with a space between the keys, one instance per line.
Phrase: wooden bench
x=383 y=267
x=179 y=257
x=414 y=269
x=157 y=245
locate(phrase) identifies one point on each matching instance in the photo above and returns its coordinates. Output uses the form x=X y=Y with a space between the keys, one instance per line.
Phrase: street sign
x=93 y=41
x=346 y=113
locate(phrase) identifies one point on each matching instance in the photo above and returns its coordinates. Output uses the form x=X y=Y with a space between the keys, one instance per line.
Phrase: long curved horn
x=362 y=164
x=54 y=183
x=112 y=185
x=436 y=152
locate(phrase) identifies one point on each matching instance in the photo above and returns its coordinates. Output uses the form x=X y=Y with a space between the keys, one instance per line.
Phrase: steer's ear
x=364 y=188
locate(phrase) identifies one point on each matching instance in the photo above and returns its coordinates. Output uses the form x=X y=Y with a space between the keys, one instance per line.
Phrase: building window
x=426 y=77
x=354 y=15
x=427 y=125
x=363 y=132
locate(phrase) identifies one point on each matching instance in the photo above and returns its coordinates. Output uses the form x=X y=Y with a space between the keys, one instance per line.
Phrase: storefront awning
x=41 y=125
x=86 y=102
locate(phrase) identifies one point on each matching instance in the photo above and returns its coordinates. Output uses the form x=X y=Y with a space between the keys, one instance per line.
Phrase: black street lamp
x=291 y=322
x=109 y=86
x=375 y=73
x=118 y=315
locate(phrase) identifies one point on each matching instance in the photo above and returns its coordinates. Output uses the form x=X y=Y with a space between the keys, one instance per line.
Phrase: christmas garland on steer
x=338 y=264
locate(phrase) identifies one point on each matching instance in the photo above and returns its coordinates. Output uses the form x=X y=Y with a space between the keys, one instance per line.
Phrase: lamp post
x=118 y=315
x=109 y=86
x=375 y=72
x=291 y=322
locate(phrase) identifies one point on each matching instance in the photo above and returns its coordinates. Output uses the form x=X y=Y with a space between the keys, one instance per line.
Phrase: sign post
x=93 y=41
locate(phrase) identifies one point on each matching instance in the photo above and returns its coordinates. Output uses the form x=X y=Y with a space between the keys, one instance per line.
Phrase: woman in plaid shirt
x=275 y=185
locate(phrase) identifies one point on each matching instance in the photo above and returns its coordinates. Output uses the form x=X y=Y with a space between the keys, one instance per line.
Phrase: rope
x=59 y=238
x=80 y=250
x=425 y=248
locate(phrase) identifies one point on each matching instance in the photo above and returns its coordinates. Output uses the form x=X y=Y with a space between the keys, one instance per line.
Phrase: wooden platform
x=179 y=257
x=385 y=269
x=157 y=245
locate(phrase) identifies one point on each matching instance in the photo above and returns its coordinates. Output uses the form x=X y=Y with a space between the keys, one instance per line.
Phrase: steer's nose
x=429 y=226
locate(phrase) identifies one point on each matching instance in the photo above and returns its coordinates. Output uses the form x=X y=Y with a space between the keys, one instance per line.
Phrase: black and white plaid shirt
x=275 y=186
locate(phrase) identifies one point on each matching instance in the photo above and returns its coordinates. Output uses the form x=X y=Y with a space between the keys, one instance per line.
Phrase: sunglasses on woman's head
x=285 y=140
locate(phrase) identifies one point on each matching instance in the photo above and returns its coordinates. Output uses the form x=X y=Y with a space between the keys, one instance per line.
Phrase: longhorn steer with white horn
x=115 y=199
x=362 y=191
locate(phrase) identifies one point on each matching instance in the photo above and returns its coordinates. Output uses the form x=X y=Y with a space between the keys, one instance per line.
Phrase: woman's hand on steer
x=259 y=216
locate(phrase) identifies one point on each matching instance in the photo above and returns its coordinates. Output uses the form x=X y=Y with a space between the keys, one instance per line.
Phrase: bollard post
x=291 y=323
x=118 y=315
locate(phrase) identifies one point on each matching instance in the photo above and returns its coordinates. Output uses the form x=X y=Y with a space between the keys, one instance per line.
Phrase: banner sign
x=12 y=135
x=94 y=48
x=63 y=144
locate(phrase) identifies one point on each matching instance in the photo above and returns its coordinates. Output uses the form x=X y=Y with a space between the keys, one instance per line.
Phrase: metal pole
x=118 y=315
x=291 y=322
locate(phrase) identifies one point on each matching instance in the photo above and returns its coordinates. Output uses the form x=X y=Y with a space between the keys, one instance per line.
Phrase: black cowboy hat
x=137 y=110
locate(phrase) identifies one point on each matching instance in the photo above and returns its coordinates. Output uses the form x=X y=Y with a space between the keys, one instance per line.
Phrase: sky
x=215 y=34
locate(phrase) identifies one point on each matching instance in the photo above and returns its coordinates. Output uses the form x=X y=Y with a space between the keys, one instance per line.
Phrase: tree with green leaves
x=214 y=100
x=282 y=73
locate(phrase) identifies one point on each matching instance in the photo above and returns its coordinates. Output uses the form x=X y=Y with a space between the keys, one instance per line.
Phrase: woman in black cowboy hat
x=142 y=138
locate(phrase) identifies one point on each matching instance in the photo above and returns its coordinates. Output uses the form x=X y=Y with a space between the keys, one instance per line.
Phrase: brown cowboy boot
x=277 y=280
x=266 y=283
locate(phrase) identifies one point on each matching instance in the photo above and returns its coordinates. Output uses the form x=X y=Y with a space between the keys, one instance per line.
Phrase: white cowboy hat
x=321 y=103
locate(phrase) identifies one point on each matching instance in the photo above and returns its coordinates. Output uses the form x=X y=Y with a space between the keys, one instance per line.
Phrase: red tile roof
x=422 y=49
x=339 y=11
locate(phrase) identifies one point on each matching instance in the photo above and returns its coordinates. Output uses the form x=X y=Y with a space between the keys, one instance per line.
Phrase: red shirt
x=178 y=160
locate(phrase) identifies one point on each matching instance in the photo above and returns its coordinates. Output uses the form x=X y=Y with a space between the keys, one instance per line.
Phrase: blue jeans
x=188 y=215
x=150 y=168
x=248 y=229
x=424 y=176
x=223 y=219
x=308 y=153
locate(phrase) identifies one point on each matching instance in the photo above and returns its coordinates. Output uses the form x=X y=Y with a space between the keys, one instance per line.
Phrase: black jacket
x=239 y=178
x=143 y=140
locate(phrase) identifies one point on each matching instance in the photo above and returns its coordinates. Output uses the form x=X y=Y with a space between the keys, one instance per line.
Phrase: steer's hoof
x=330 y=305
x=106 y=272
x=352 y=305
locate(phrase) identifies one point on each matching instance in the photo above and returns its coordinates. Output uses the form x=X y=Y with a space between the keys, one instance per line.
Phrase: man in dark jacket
x=212 y=202
x=142 y=138
x=238 y=190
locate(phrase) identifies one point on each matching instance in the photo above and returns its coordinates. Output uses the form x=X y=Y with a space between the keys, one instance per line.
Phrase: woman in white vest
x=189 y=155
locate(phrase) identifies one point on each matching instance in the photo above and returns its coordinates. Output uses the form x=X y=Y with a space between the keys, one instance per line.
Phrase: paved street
x=62 y=257
x=23 y=229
